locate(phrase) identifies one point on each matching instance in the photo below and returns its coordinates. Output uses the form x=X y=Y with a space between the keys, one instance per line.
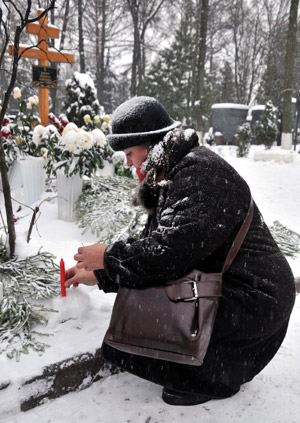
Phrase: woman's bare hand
x=76 y=276
x=90 y=257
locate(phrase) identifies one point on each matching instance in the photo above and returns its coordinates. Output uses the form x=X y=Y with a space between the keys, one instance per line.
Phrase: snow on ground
x=82 y=318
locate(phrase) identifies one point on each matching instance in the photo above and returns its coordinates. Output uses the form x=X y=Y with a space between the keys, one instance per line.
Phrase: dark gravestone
x=226 y=118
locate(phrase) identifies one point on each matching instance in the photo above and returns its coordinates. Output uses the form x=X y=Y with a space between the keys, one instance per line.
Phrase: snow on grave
x=276 y=153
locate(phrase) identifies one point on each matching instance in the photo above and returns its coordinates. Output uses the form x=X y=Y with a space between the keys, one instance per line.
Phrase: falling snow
x=82 y=317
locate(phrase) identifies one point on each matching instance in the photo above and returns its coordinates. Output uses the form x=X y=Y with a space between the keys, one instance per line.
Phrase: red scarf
x=140 y=175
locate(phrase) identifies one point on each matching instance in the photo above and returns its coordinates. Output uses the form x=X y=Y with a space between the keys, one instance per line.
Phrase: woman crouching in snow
x=196 y=203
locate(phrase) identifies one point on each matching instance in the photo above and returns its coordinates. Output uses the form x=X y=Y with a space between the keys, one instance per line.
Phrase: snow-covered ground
x=83 y=316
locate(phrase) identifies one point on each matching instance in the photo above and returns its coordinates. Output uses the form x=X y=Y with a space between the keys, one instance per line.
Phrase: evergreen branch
x=107 y=211
x=25 y=280
x=287 y=240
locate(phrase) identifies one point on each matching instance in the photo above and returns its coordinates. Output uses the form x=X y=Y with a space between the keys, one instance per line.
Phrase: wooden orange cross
x=43 y=54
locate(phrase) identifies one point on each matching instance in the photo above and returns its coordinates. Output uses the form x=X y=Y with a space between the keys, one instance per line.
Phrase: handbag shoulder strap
x=239 y=239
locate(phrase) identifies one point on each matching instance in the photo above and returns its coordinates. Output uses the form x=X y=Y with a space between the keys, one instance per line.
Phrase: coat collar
x=161 y=159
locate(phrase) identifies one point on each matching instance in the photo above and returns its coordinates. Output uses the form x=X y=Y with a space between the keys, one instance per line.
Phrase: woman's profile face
x=136 y=155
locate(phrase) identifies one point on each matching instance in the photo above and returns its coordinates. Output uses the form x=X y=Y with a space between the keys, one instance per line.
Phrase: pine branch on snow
x=107 y=211
x=288 y=241
x=25 y=282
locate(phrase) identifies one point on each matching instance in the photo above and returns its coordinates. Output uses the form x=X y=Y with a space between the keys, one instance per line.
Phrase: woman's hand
x=76 y=276
x=90 y=257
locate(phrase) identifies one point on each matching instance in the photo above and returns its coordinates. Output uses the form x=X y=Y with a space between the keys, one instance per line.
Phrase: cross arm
x=37 y=29
x=37 y=53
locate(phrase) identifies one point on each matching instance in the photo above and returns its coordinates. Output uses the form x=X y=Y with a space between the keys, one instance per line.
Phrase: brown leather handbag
x=171 y=322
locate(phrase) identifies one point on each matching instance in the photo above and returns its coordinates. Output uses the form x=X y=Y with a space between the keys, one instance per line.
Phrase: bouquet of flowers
x=75 y=150
x=17 y=133
x=62 y=144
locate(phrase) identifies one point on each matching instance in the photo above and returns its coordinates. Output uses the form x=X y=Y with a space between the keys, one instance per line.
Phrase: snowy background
x=82 y=317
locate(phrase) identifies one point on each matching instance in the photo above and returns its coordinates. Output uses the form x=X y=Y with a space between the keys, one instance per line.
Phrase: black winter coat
x=196 y=203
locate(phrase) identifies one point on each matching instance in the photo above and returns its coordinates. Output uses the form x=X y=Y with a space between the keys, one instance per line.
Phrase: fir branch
x=107 y=211
x=24 y=281
x=287 y=240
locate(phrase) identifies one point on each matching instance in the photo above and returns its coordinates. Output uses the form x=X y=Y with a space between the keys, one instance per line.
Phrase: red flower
x=5 y=132
x=52 y=117
x=64 y=121
x=5 y=121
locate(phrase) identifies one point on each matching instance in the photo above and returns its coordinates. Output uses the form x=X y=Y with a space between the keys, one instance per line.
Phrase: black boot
x=172 y=397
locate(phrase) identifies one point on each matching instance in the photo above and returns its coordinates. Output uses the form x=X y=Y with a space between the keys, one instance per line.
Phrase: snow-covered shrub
x=209 y=136
x=266 y=129
x=81 y=99
x=243 y=139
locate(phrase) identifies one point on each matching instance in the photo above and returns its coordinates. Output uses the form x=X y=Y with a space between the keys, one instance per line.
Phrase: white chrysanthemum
x=17 y=93
x=119 y=157
x=71 y=142
x=98 y=137
x=29 y=105
x=37 y=134
x=70 y=127
x=105 y=125
x=86 y=140
x=33 y=100
x=49 y=130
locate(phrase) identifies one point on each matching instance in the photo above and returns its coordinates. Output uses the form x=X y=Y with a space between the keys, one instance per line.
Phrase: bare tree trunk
x=201 y=59
x=64 y=26
x=289 y=76
x=102 y=51
x=134 y=10
x=100 y=46
x=6 y=188
x=53 y=91
x=81 y=39
x=253 y=59
x=97 y=49
x=236 y=66
x=141 y=22
x=6 y=39
x=5 y=182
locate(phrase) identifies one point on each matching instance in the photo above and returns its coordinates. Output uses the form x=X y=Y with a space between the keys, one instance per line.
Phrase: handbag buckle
x=194 y=290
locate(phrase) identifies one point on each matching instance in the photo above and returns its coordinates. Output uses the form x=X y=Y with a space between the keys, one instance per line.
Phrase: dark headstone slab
x=226 y=118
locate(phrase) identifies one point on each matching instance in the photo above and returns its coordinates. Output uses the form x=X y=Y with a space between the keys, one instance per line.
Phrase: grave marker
x=44 y=54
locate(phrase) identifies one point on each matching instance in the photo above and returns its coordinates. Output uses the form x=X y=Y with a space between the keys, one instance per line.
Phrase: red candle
x=62 y=278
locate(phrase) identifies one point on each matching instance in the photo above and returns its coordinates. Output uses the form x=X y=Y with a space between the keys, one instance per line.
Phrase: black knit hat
x=139 y=120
